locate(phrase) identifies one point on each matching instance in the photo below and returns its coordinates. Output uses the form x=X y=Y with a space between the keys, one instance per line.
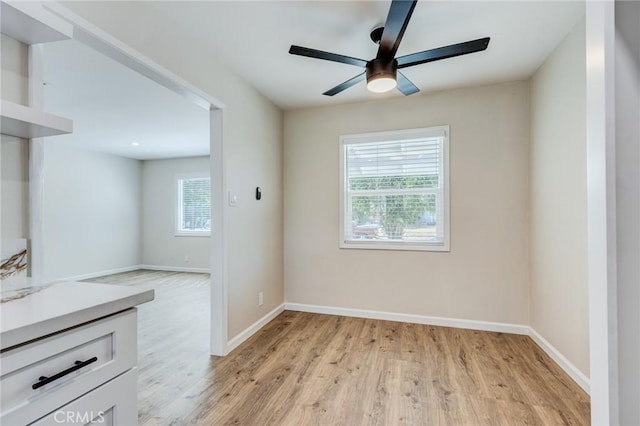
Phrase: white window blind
x=193 y=205
x=395 y=190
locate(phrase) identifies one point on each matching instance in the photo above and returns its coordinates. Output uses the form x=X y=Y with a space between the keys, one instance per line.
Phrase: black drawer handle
x=78 y=365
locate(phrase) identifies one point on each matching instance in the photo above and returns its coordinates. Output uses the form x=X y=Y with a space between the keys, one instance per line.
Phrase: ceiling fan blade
x=405 y=85
x=327 y=56
x=394 y=28
x=343 y=86
x=443 y=52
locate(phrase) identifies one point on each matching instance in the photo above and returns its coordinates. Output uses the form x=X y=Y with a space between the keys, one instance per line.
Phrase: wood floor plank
x=311 y=369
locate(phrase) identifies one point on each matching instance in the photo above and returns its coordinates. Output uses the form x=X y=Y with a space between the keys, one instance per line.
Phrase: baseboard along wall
x=558 y=358
x=101 y=273
x=135 y=268
x=411 y=318
x=175 y=269
x=253 y=328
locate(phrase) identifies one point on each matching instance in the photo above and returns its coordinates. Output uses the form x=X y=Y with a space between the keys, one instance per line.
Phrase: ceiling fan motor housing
x=381 y=68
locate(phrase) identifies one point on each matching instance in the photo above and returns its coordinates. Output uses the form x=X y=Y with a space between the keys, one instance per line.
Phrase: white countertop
x=33 y=311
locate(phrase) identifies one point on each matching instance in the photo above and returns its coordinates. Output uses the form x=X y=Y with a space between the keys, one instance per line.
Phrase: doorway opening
x=90 y=37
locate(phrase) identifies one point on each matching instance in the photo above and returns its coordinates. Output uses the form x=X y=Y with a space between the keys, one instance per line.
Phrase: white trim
x=175 y=269
x=386 y=136
x=100 y=273
x=178 y=179
x=253 y=328
x=219 y=239
x=196 y=234
x=401 y=134
x=135 y=268
x=559 y=359
x=392 y=245
x=411 y=318
x=36 y=168
x=601 y=212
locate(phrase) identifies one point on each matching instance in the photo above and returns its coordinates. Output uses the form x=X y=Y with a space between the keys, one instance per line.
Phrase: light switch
x=233 y=199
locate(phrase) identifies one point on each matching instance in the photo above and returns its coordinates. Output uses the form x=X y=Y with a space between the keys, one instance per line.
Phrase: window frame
x=390 y=136
x=179 y=204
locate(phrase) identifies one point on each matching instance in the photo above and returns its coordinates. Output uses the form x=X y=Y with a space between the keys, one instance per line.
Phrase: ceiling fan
x=382 y=72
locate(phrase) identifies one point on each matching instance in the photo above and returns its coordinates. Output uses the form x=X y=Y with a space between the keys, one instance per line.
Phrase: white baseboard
x=175 y=269
x=253 y=328
x=135 y=268
x=411 y=318
x=101 y=273
x=559 y=359
x=555 y=355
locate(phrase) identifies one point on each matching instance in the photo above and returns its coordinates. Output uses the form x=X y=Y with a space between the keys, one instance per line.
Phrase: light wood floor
x=310 y=369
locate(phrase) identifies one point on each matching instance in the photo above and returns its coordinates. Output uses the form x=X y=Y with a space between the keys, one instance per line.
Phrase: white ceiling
x=113 y=107
x=253 y=38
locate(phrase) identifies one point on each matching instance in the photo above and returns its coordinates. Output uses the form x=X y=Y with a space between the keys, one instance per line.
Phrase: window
x=193 y=204
x=395 y=190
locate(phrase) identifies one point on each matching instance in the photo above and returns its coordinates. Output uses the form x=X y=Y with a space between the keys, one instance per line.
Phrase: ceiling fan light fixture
x=381 y=75
x=381 y=83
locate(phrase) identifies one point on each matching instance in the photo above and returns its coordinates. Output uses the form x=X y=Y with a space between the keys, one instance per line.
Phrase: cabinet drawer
x=111 y=341
x=112 y=404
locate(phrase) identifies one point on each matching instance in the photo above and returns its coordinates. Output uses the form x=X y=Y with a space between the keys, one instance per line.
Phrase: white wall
x=558 y=201
x=627 y=112
x=92 y=206
x=484 y=277
x=14 y=158
x=252 y=146
x=14 y=77
x=160 y=245
x=14 y=152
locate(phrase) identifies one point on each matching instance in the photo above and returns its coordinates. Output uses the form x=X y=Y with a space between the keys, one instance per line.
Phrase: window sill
x=192 y=234
x=368 y=245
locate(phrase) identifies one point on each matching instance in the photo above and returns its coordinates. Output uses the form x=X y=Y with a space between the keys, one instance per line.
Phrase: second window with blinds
x=395 y=190
x=193 y=204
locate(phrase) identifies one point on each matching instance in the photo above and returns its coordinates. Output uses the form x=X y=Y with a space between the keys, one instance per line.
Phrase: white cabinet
x=86 y=369
x=112 y=404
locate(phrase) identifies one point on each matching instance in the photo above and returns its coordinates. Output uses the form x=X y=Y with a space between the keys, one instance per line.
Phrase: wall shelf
x=31 y=23
x=28 y=123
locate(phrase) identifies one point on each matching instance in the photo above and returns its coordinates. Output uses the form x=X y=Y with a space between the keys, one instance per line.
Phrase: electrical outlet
x=186 y=258
x=260 y=298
